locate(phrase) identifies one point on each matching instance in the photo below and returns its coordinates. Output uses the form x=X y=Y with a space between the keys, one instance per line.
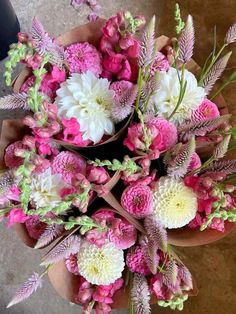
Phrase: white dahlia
x=45 y=189
x=88 y=99
x=175 y=204
x=100 y=266
x=168 y=94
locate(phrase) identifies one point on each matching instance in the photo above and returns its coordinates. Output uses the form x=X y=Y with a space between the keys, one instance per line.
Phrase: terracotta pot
x=66 y=285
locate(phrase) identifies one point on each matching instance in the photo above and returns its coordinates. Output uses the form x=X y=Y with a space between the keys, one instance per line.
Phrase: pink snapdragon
x=16 y=215
x=85 y=292
x=50 y=82
x=97 y=175
x=71 y=264
x=120 y=48
x=104 y=293
x=71 y=132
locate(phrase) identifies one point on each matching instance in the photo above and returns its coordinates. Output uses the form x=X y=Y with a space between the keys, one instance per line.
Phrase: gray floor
x=213 y=266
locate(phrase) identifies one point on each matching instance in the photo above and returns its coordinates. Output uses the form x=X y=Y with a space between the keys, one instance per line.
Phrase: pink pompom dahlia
x=68 y=165
x=83 y=57
x=138 y=200
x=135 y=261
x=206 y=110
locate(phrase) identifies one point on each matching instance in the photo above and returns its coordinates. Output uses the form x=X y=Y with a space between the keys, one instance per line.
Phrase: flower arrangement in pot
x=113 y=220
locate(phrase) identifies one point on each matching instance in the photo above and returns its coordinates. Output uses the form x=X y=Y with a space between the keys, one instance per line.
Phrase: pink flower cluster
x=119 y=231
x=83 y=57
x=120 y=48
x=204 y=188
x=71 y=132
x=136 y=262
x=160 y=63
x=50 y=83
x=138 y=200
x=162 y=135
x=11 y=160
x=34 y=227
x=206 y=110
x=102 y=294
x=163 y=290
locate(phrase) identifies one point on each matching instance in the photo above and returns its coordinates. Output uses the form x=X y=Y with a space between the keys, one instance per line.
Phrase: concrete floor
x=213 y=265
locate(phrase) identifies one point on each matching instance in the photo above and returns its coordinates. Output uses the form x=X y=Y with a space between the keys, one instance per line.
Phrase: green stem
x=139 y=89
x=181 y=93
x=205 y=165
x=204 y=74
x=220 y=89
x=45 y=272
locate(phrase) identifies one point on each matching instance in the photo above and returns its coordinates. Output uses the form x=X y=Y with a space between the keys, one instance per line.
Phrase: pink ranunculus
x=16 y=215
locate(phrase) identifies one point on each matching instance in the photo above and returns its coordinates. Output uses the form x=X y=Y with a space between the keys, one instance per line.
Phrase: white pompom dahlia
x=175 y=204
x=89 y=100
x=167 y=95
x=100 y=266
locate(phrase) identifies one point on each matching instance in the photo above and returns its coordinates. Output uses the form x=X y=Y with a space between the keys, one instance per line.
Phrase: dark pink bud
x=22 y=37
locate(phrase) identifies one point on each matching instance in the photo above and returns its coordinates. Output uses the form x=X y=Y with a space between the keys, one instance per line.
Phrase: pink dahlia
x=207 y=110
x=136 y=263
x=35 y=227
x=120 y=88
x=83 y=57
x=71 y=264
x=160 y=64
x=11 y=160
x=138 y=200
x=195 y=162
x=68 y=165
x=167 y=133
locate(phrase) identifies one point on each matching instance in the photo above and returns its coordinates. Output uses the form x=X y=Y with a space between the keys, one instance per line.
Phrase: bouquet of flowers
x=122 y=153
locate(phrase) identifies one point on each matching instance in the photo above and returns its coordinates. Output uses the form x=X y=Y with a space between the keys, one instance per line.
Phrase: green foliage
x=35 y=99
x=128 y=165
x=16 y=53
x=179 y=22
x=226 y=215
x=177 y=303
